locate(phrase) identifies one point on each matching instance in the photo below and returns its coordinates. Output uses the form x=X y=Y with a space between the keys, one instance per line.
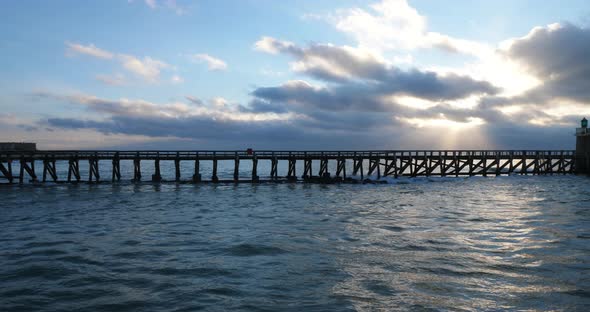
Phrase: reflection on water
x=510 y=243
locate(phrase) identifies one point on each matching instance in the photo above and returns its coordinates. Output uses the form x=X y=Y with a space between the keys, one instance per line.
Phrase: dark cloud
x=261 y=106
x=231 y=134
x=355 y=106
x=558 y=55
x=194 y=100
x=301 y=96
x=356 y=69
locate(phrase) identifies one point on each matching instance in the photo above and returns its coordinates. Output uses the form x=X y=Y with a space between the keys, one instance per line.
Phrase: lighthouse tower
x=583 y=148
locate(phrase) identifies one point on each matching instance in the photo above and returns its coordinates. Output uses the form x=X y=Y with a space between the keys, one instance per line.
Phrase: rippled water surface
x=509 y=243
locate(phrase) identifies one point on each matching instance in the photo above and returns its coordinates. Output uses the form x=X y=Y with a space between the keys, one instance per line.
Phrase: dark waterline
x=509 y=243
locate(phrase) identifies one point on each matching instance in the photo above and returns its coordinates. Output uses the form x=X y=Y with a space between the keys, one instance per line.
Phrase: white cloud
x=393 y=25
x=213 y=63
x=271 y=45
x=91 y=50
x=148 y=69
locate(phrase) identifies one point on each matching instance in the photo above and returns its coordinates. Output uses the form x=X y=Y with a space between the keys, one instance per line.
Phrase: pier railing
x=360 y=164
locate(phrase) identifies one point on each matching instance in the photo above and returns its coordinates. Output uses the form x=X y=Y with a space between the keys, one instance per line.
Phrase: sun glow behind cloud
x=452 y=134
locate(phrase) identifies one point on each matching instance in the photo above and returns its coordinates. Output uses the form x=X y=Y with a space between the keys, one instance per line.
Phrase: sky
x=266 y=74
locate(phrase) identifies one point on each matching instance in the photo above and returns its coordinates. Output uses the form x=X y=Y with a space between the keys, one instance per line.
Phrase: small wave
x=248 y=250
x=38 y=271
x=79 y=260
x=224 y=291
x=47 y=244
x=199 y=272
x=392 y=228
x=379 y=288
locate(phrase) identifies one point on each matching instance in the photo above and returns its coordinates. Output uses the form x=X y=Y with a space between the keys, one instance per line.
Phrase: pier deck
x=351 y=166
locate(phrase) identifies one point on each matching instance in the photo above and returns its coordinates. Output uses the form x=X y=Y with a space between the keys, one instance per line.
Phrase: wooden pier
x=350 y=166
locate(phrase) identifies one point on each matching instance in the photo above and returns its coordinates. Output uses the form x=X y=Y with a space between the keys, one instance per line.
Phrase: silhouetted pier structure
x=350 y=166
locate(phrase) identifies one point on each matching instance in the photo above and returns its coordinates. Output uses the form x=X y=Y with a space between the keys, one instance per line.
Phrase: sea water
x=425 y=244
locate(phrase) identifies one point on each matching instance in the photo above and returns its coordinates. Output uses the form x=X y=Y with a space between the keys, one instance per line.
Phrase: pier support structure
x=6 y=170
x=156 y=177
x=28 y=166
x=291 y=173
x=93 y=173
x=307 y=168
x=370 y=164
x=137 y=169
x=197 y=174
x=74 y=169
x=49 y=167
x=116 y=168
x=214 y=177
x=177 y=168
x=255 y=177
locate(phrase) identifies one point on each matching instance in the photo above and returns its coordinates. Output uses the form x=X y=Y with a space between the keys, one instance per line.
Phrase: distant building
x=17 y=146
x=583 y=130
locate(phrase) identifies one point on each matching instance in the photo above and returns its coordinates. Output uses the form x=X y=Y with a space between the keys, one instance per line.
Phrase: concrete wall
x=583 y=154
x=12 y=146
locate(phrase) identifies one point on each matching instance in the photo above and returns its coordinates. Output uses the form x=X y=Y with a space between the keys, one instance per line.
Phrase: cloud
x=194 y=100
x=395 y=25
x=354 y=97
x=218 y=123
x=557 y=55
x=216 y=108
x=271 y=45
x=369 y=75
x=148 y=69
x=91 y=50
x=213 y=63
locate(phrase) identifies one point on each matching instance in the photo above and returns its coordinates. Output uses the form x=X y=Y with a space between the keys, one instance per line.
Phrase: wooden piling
x=156 y=177
x=341 y=168
x=307 y=174
x=6 y=170
x=74 y=169
x=236 y=168
x=49 y=167
x=28 y=166
x=116 y=176
x=177 y=167
x=323 y=171
x=274 y=162
x=255 y=177
x=137 y=168
x=93 y=173
x=214 y=177
x=291 y=174
x=197 y=174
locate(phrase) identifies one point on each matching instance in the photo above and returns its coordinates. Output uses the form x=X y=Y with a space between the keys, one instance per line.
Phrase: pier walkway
x=350 y=166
